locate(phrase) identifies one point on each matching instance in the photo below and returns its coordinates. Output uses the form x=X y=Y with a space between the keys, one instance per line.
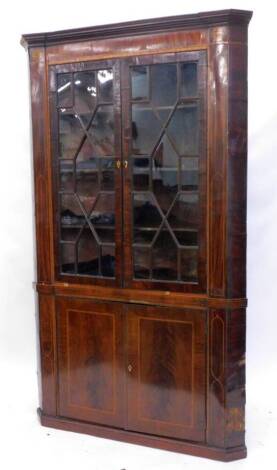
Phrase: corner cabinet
x=140 y=156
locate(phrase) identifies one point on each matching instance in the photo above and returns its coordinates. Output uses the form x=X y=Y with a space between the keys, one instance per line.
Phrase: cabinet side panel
x=235 y=378
x=41 y=180
x=216 y=378
x=217 y=138
x=237 y=171
x=226 y=378
x=47 y=335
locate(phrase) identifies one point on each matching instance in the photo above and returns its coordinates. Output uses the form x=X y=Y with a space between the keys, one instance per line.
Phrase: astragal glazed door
x=129 y=152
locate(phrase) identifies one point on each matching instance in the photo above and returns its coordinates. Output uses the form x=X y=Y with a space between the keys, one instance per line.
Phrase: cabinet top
x=152 y=25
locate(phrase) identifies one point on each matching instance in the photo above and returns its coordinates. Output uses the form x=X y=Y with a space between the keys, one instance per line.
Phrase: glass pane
x=145 y=212
x=185 y=212
x=64 y=90
x=105 y=234
x=71 y=213
x=163 y=84
x=70 y=234
x=107 y=261
x=141 y=174
x=88 y=252
x=183 y=129
x=165 y=174
x=86 y=175
x=84 y=92
x=66 y=175
x=70 y=134
x=141 y=263
x=101 y=131
x=103 y=212
x=189 y=262
x=139 y=77
x=103 y=219
x=67 y=253
x=165 y=257
x=144 y=236
x=186 y=237
x=189 y=174
x=87 y=182
x=146 y=129
x=188 y=79
x=107 y=175
x=105 y=85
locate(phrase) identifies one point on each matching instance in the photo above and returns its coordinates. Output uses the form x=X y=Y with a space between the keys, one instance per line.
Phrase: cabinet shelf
x=185 y=247
x=184 y=104
x=86 y=226
x=154 y=229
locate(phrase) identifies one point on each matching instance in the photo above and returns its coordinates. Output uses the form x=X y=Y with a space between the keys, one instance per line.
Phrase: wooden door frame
x=79 y=67
x=201 y=58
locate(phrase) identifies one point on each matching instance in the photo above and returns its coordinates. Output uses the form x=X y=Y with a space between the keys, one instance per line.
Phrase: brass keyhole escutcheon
x=118 y=163
x=130 y=368
x=125 y=163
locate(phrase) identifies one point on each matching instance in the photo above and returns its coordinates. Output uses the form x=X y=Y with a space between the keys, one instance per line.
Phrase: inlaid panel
x=90 y=355
x=226 y=377
x=167 y=395
x=166 y=365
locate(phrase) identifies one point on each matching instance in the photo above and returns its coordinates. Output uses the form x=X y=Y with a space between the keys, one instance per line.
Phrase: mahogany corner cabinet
x=140 y=161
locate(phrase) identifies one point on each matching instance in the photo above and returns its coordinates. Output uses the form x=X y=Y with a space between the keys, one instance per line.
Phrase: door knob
x=130 y=368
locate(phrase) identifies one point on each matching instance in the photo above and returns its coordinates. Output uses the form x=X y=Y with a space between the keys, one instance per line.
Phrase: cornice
x=132 y=28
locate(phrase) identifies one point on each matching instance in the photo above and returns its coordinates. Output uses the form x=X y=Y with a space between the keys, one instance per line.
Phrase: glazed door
x=166 y=371
x=86 y=153
x=141 y=121
x=91 y=363
x=163 y=102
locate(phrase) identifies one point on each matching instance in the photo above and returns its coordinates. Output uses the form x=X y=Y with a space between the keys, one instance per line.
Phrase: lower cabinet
x=134 y=367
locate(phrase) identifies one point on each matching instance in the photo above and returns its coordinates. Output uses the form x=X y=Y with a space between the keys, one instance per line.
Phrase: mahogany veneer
x=140 y=160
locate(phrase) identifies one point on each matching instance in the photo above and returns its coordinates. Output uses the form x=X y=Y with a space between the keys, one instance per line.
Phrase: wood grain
x=166 y=386
x=90 y=349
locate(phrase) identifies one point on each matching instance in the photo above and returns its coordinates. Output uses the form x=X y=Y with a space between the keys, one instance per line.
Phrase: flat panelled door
x=166 y=371
x=150 y=380
x=91 y=361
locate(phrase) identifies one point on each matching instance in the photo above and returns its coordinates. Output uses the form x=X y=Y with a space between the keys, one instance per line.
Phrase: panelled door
x=135 y=127
x=140 y=368
x=91 y=361
x=166 y=371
